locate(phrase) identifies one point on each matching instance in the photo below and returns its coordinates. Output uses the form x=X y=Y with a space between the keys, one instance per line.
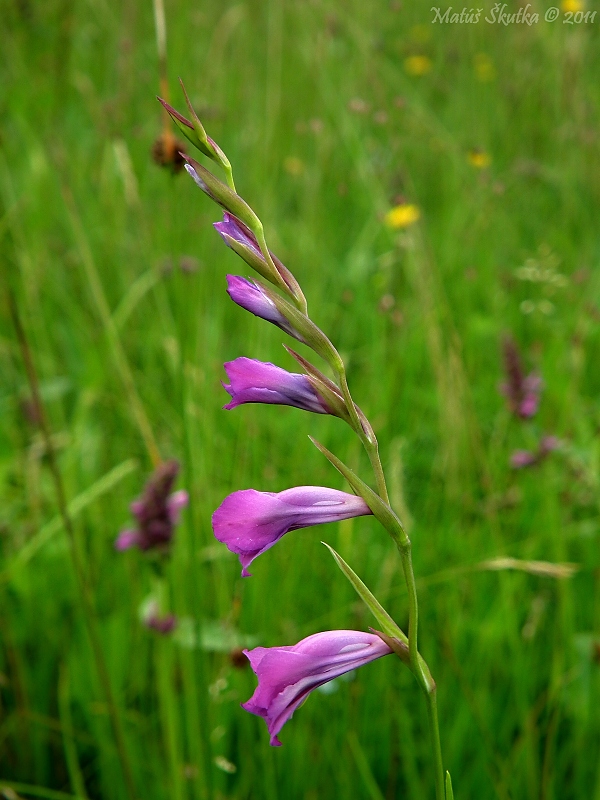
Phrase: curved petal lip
x=287 y=675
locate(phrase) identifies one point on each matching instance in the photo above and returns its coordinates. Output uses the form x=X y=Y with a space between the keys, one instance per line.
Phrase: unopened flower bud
x=221 y=193
x=258 y=301
x=241 y=240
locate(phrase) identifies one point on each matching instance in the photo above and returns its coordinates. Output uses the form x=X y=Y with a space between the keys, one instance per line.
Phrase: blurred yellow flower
x=417 y=65
x=293 y=165
x=572 y=6
x=484 y=68
x=479 y=158
x=402 y=216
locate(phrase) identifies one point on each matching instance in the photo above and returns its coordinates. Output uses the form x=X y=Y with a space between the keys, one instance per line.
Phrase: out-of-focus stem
x=112 y=335
x=78 y=566
x=161 y=47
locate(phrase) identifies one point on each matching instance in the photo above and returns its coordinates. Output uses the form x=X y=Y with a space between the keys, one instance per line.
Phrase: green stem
x=416 y=663
x=404 y=548
x=373 y=453
x=367 y=436
x=434 y=731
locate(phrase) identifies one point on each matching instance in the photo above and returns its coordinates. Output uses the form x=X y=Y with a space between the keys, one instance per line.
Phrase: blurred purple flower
x=254 y=299
x=287 y=675
x=250 y=522
x=525 y=458
x=522 y=458
x=157 y=511
x=522 y=391
x=548 y=444
x=162 y=624
x=262 y=382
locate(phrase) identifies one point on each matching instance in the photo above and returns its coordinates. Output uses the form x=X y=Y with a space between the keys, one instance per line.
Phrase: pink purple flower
x=287 y=675
x=157 y=511
x=254 y=381
x=250 y=522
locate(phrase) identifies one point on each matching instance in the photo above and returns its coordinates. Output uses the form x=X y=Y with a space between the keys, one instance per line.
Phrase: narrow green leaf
x=387 y=624
x=380 y=510
x=449 y=793
x=364 y=768
x=11 y=787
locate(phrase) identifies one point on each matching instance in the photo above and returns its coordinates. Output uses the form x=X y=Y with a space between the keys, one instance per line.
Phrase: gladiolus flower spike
x=287 y=675
x=249 y=522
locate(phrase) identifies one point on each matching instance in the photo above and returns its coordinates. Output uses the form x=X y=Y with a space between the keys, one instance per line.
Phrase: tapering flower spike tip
x=194 y=131
x=287 y=675
x=250 y=522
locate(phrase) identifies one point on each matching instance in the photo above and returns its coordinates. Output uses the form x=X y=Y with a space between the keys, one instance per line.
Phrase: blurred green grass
x=326 y=128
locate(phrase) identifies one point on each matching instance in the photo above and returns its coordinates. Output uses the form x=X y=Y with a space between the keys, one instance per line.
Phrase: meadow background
x=331 y=114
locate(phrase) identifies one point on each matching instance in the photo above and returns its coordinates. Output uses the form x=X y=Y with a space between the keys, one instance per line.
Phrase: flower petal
x=249 y=522
x=287 y=675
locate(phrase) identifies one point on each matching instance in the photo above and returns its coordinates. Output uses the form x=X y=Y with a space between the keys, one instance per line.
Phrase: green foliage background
x=326 y=127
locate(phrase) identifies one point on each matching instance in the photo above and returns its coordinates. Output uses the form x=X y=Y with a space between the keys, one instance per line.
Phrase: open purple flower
x=287 y=675
x=522 y=391
x=262 y=382
x=250 y=522
x=157 y=511
x=255 y=299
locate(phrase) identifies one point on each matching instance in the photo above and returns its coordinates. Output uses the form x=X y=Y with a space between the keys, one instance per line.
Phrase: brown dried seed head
x=166 y=152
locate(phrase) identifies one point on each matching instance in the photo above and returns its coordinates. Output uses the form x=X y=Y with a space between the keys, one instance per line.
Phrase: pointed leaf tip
x=380 y=509
x=381 y=615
